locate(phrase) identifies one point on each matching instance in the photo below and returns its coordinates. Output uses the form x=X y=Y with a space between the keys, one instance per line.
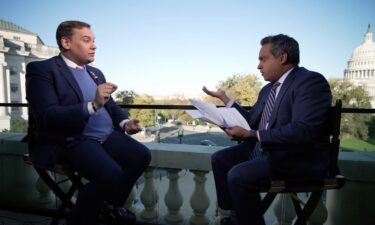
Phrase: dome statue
x=361 y=66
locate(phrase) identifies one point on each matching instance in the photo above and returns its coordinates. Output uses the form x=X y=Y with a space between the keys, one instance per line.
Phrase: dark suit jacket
x=56 y=107
x=296 y=139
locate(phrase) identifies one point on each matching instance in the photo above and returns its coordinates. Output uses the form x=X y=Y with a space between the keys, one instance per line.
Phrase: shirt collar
x=72 y=64
x=284 y=76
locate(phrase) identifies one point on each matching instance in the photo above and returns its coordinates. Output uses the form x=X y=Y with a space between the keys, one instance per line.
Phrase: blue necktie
x=264 y=120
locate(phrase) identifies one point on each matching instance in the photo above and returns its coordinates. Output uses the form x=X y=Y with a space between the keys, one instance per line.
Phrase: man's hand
x=103 y=93
x=220 y=94
x=132 y=126
x=237 y=133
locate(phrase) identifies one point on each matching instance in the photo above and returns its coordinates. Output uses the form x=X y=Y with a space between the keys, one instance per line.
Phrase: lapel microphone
x=94 y=76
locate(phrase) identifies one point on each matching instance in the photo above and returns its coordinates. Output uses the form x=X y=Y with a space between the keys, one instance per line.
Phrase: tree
x=174 y=114
x=244 y=89
x=126 y=97
x=352 y=96
x=17 y=125
x=146 y=117
x=371 y=129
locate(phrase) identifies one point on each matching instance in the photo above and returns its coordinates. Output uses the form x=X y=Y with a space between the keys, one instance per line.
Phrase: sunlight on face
x=81 y=47
x=269 y=66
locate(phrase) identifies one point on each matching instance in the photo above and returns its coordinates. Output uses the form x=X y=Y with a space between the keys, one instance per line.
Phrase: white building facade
x=361 y=66
x=18 y=47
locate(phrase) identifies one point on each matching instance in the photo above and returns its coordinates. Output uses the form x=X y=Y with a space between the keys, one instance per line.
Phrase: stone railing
x=178 y=187
x=180 y=162
x=176 y=172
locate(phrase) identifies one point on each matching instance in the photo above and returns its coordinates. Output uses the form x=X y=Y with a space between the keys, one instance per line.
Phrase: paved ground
x=192 y=135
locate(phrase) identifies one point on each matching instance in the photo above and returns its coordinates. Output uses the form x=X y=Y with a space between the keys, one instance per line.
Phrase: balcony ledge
x=353 y=204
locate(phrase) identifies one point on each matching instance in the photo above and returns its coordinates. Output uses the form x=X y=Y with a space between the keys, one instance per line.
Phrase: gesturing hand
x=103 y=93
x=220 y=94
x=132 y=126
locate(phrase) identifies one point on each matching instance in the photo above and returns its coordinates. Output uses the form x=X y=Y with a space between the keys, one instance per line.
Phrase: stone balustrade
x=21 y=188
x=177 y=188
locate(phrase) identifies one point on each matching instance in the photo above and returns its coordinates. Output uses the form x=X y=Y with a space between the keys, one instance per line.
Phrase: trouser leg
x=242 y=184
x=222 y=161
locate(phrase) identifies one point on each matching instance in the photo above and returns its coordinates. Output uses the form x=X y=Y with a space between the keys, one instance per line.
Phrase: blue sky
x=168 y=47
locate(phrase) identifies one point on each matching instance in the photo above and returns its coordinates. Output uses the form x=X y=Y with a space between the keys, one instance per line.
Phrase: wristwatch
x=93 y=107
x=253 y=134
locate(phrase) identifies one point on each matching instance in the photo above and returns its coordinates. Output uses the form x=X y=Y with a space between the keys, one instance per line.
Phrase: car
x=208 y=143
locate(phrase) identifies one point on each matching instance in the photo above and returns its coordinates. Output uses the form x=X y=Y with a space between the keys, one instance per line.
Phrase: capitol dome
x=361 y=66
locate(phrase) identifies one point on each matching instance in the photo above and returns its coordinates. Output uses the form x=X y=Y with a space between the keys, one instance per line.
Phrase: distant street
x=191 y=135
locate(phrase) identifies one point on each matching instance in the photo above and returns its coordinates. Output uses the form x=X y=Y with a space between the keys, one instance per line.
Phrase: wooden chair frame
x=75 y=182
x=46 y=174
x=316 y=186
x=73 y=179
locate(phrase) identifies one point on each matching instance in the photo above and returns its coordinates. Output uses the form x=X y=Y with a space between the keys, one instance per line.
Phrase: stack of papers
x=222 y=117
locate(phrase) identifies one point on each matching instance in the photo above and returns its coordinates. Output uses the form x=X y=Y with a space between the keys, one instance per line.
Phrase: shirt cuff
x=230 y=103
x=90 y=108
x=122 y=123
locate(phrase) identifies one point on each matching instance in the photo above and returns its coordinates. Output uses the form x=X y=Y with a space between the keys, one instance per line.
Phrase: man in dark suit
x=77 y=122
x=287 y=136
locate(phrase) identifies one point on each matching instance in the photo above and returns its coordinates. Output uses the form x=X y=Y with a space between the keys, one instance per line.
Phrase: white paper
x=223 y=117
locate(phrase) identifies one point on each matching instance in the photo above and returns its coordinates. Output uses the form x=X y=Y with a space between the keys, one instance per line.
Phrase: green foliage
x=371 y=127
x=126 y=97
x=175 y=114
x=199 y=122
x=17 y=125
x=147 y=117
x=354 y=144
x=352 y=96
x=179 y=123
x=229 y=82
x=243 y=88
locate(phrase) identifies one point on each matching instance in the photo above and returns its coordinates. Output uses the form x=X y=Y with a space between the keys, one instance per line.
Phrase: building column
x=22 y=86
x=7 y=89
x=4 y=116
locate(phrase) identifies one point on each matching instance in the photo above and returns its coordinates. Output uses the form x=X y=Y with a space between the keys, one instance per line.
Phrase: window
x=17 y=38
x=13 y=71
x=13 y=87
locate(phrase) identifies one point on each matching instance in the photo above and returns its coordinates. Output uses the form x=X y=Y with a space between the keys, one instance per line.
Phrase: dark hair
x=65 y=29
x=283 y=44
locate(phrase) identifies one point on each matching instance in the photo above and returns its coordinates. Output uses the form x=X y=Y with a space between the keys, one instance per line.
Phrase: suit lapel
x=67 y=74
x=287 y=82
x=93 y=75
x=98 y=80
